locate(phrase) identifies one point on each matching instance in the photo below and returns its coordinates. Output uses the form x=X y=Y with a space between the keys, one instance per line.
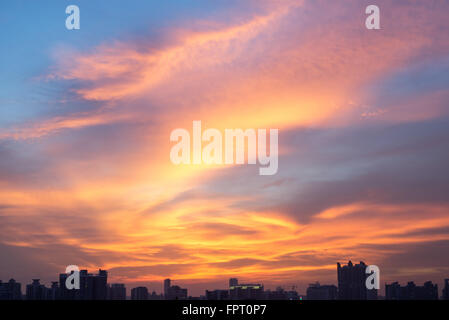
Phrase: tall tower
x=233 y=282
x=167 y=285
x=351 y=281
x=446 y=289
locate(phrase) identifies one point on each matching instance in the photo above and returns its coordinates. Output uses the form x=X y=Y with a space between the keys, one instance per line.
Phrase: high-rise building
x=36 y=291
x=411 y=291
x=100 y=285
x=394 y=291
x=233 y=282
x=174 y=292
x=217 y=295
x=292 y=295
x=92 y=287
x=155 y=296
x=281 y=294
x=352 y=282
x=139 y=293
x=167 y=285
x=428 y=291
x=117 y=291
x=64 y=293
x=315 y=291
x=446 y=289
x=10 y=290
x=54 y=292
x=247 y=292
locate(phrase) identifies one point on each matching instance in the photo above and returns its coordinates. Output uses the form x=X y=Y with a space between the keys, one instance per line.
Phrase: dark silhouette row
x=351 y=286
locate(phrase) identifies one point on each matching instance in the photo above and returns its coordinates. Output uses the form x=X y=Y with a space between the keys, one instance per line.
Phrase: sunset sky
x=86 y=116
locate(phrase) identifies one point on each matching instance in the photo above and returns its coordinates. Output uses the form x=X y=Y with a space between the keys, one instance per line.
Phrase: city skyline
x=86 y=117
x=341 y=286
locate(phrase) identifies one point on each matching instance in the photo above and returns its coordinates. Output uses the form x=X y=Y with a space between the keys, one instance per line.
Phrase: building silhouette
x=245 y=291
x=315 y=291
x=92 y=287
x=37 y=291
x=11 y=290
x=411 y=291
x=174 y=292
x=351 y=286
x=293 y=295
x=167 y=285
x=233 y=282
x=351 y=282
x=281 y=294
x=238 y=291
x=155 y=296
x=100 y=285
x=217 y=295
x=116 y=291
x=54 y=293
x=139 y=293
x=446 y=289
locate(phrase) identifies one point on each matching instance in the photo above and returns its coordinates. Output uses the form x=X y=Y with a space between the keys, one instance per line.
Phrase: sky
x=86 y=116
